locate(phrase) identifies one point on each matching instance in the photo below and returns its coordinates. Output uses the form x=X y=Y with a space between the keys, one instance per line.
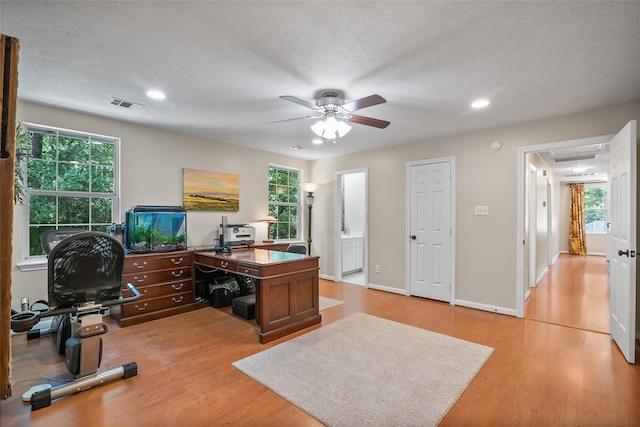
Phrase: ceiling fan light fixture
x=318 y=128
x=343 y=128
x=330 y=128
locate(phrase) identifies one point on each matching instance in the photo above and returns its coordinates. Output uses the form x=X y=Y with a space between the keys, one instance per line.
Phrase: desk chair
x=84 y=277
x=298 y=249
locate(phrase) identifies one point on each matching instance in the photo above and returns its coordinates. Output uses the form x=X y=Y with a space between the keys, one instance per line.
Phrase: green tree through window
x=284 y=203
x=595 y=209
x=70 y=181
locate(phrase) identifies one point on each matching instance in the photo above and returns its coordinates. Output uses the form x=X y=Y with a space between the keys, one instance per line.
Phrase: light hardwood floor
x=575 y=292
x=540 y=373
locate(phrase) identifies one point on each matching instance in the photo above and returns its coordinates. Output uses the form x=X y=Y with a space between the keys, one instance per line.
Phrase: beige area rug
x=368 y=371
x=325 y=303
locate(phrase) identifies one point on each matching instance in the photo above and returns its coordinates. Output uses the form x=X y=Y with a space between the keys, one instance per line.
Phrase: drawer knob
x=136 y=265
x=174 y=274
x=224 y=264
x=140 y=280
x=176 y=262
x=144 y=307
x=177 y=288
x=178 y=300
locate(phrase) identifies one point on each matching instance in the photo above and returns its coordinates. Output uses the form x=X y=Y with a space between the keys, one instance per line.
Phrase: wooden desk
x=287 y=296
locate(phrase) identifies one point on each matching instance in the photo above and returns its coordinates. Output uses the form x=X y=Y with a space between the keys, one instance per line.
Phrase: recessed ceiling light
x=155 y=94
x=296 y=147
x=480 y=103
x=317 y=141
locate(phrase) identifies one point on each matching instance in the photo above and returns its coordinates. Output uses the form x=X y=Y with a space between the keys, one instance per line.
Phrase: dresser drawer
x=142 y=278
x=134 y=264
x=161 y=289
x=172 y=261
x=147 y=305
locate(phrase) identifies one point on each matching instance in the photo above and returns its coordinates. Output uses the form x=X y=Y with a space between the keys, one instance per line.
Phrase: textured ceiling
x=223 y=65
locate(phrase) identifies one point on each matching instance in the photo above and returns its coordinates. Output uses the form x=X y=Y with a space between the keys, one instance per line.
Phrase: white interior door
x=430 y=230
x=622 y=239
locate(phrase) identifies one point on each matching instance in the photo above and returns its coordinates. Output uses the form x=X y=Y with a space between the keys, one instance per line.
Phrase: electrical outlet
x=481 y=210
x=377 y=268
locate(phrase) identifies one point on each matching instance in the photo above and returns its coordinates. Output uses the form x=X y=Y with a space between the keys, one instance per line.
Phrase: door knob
x=621 y=252
x=413 y=237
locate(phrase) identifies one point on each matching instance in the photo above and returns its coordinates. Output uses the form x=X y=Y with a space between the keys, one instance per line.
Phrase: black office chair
x=51 y=238
x=85 y=277
x=298 y=249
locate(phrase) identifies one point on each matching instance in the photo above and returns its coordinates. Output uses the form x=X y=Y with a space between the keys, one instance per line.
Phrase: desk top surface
x=258 y=256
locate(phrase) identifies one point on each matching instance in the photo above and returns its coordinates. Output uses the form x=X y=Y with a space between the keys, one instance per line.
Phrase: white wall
x=151 y=174
x=152 y=162
x=485 y=246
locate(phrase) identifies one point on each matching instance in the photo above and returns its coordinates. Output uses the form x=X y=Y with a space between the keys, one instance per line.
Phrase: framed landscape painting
x=210 y=191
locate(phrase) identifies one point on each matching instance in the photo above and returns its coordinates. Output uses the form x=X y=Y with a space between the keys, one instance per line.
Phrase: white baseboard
x=542 y=275
x=485 y=307
x=387 y=289
x=326 y=277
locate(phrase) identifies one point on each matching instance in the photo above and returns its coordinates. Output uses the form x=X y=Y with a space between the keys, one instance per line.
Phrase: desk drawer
x=222 y=264
x=249 y=270
x=142 y=278
x=147 y=305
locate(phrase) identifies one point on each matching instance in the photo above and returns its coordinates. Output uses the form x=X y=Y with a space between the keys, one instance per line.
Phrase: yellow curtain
x=577 y=239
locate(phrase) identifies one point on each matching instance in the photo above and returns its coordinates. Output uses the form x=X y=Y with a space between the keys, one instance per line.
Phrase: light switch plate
x=481 y=210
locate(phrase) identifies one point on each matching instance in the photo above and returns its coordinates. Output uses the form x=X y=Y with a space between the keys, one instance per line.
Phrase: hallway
x=574 y=293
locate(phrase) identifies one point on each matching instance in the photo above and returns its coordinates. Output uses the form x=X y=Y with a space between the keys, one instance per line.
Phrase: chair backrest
x=85 y=267
x=52 y=237
x=298 y=249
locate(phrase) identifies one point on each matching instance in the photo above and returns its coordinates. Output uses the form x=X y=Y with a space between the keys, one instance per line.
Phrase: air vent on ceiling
x=296 y=147
x=125 y=104
x=590 y=156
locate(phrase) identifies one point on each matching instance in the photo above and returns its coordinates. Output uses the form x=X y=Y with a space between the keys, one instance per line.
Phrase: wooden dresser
x=166 y=282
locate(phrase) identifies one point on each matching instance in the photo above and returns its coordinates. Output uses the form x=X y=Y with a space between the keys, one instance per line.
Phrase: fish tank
x=155 y=229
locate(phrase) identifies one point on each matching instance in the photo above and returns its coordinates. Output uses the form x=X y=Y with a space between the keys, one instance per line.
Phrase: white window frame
x=298 y=205
x=39 y=262
x=605 y=209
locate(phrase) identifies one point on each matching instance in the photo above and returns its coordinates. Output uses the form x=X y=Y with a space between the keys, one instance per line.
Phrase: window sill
x=33 y=265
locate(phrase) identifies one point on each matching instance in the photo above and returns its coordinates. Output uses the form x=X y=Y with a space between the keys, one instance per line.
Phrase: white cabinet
x=352 y=254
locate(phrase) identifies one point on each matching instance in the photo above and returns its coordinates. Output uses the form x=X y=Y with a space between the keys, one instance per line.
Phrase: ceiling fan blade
x=369 y=121
x=365 y=102
x=297 y=118
x=300 y=102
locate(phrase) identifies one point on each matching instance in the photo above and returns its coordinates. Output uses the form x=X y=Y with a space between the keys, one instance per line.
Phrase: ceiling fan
x=333 y=112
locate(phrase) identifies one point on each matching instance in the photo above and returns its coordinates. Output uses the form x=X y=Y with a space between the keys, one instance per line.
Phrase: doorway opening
x=350 y=230
x=527 y=229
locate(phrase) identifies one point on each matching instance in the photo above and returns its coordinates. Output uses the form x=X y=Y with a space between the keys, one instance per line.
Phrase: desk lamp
x=269 y=220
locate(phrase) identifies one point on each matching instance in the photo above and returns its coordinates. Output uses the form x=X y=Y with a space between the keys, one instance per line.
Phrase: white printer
x=238 y=234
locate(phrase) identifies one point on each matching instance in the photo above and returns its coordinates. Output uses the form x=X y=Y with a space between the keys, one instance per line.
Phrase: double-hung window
x=595 y=208
x=284 y=203
x=70 y=181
